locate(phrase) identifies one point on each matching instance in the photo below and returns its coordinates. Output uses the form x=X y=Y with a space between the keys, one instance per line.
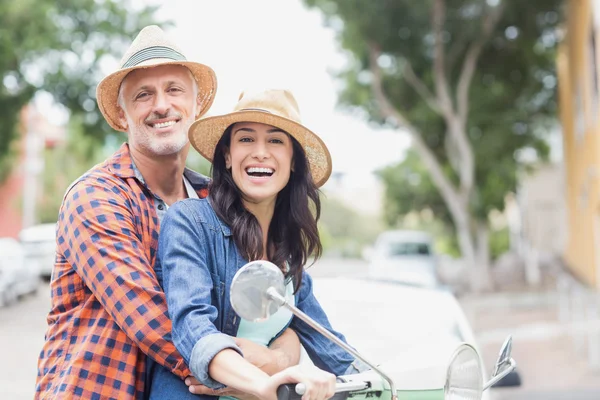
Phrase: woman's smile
x=259 y=174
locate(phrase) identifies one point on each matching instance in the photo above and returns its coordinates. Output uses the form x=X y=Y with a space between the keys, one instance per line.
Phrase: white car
x=17 y=278
x=39 y=242
x=404 y=256
x=409 y=331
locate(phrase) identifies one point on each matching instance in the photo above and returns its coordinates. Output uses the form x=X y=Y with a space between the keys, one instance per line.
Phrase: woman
x=263 y=203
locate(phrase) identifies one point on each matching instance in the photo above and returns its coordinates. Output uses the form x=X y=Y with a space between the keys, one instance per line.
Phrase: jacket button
x=161 y=207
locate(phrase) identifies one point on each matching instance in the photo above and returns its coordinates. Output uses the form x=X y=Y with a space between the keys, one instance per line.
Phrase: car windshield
x=394 y=249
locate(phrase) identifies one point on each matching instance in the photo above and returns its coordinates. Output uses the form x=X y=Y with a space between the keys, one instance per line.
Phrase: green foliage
x=198 y=163
x=8 y=160
x=345 y=231
x=512 y=99
x=58 y=46
x=65 y=163
x=408 y=188
x=499 y=242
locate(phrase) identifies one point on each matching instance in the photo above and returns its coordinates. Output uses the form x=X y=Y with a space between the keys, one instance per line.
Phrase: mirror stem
x=496 y=378
x=274 y=295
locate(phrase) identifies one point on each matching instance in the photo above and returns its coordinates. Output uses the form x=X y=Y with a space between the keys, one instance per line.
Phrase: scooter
x=258 y=291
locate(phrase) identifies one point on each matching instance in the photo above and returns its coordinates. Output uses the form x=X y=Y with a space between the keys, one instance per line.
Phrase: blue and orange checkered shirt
x=108 y=311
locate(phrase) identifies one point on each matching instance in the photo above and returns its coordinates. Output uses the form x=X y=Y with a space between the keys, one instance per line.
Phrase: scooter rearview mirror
x=249 y=290
x=505 y=364
x=503 y=356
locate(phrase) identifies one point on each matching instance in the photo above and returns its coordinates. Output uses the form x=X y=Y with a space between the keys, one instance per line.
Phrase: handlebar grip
x=288 y=392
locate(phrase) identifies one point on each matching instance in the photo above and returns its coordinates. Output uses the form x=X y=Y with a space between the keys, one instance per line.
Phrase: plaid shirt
x=108 y=310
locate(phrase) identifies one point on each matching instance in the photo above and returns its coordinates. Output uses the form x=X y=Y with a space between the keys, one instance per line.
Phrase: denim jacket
x=197 y=261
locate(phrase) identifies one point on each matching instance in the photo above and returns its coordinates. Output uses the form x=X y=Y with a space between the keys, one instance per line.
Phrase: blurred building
x=20 y=192
x=579 y=91
x=537 y=219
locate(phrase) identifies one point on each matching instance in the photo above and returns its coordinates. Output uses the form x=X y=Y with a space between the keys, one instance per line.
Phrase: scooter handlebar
x=290 y=392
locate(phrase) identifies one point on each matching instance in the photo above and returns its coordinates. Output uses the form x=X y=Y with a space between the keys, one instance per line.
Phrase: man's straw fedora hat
x=150 y=48
x=271 y=107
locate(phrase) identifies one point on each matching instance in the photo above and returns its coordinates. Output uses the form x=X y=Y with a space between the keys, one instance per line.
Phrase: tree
x=471 y=81
x=409 y=190
x=58 y=46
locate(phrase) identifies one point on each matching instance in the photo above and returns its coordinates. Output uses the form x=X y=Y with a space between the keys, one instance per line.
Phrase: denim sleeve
x=187 y=284
x=324 y=353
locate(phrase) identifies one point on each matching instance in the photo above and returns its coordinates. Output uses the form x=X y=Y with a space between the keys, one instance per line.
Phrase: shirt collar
x=121 y=164
x=191 y=193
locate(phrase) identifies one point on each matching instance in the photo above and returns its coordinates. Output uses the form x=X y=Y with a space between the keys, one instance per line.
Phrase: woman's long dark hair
x=293 y=233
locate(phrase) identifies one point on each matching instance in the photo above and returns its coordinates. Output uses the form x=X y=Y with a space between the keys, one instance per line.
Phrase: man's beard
x=174 y=144
x=165 y=146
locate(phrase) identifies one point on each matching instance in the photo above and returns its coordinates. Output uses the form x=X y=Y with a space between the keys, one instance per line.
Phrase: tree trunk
x=474 y=247
x=482 y=279
x=467 y=250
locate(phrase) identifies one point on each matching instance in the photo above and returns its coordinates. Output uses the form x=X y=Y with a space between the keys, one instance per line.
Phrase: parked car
x=39 y=242
x=404 y=256
x=17 y=278
x=408 y=330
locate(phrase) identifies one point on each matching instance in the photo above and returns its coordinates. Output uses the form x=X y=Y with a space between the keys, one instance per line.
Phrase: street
x=550 y=368
x=21 y=339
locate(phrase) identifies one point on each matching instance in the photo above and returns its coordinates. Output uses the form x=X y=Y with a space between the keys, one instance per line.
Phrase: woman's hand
x=320 y=385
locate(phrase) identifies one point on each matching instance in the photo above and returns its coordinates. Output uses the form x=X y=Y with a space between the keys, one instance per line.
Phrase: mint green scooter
x=258 y=291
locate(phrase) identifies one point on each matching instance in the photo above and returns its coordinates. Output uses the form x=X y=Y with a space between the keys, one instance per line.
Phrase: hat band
x=153 y=52
x=256 y=109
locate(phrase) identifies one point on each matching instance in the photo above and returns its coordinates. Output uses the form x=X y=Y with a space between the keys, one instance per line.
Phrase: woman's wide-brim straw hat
x=150 y=48
x=273 y=107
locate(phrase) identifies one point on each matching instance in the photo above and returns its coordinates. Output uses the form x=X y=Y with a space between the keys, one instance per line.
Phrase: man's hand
x=196 y=387
x=258 y=355
x=283 y=352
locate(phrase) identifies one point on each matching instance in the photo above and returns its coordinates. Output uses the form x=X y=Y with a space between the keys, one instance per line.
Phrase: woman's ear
x=227 y=159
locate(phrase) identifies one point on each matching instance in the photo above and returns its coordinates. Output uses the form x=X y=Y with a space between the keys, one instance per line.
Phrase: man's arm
x=98 y=236
x=284 y=352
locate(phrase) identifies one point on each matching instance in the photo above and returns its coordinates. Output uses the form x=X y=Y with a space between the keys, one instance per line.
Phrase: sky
x=280 y=44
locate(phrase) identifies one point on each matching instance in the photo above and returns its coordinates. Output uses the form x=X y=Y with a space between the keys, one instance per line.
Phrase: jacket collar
x=226 y=230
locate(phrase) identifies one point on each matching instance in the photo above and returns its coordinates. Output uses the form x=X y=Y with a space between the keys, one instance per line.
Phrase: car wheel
x=34 y=288
x=9 y=296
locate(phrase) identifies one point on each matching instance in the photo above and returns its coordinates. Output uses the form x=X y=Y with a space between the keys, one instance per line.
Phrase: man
x=108 y=317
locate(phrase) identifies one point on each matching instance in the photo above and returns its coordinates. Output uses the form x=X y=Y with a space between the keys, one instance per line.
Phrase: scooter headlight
x=464 y=380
